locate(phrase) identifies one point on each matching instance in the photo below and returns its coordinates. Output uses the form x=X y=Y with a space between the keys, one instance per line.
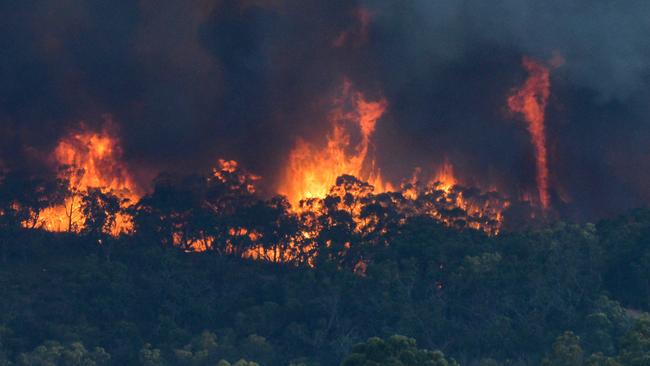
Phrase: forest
x=324 y=183
x=210 y=273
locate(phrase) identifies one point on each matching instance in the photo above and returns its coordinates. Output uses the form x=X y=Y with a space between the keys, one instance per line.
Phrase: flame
x=445 y=199
x=445 y=179
x=530 y=100
x=93 y=161
x=227 y=168
x=311 y=171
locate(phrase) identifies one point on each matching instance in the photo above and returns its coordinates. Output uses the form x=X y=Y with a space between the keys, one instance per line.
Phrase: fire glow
x=319 y=177
x=87 y=160
x=311 y=171
x=530 y=100
x=311 y=174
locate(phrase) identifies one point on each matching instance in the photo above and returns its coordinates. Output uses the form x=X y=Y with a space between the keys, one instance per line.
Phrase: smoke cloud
x=188 y=82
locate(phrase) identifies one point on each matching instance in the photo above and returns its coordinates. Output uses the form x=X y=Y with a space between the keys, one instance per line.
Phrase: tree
x=23 y=197
x=172 y=215
x=231 y=200
x=150 y=356
x=626 y=273
x=566 y=351
x=72 y=177
x=53 y=353
x=598 y=359
x=202 y=350
x=277 y=229
x=394 y=351
x=205 y=350
x=605 y=326
x=100 y=210
x=635 y=347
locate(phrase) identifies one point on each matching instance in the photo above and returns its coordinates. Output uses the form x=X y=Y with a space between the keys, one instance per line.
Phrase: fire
x=320 y=182
x=530 y=100
x=311 y=170
x=444 y=178
x=230 y=168
x=346 y=170
x=91 y=160
x=444 y=198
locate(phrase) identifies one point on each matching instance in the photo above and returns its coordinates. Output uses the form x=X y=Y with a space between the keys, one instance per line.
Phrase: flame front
x=89 y=160
x=531 y=101
x=319 y=182
x=445 y=199
x=445 y=179
x=311 y=171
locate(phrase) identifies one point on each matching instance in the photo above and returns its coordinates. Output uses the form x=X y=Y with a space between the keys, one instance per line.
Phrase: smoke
x=189 y=82
x=605 y=41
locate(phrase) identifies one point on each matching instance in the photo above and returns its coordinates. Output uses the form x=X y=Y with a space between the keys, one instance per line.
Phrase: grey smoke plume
x=188 y=82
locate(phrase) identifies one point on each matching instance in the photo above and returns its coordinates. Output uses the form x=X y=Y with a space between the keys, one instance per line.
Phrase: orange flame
x=445 y=179
x=93 y=160
x=530 y=100
x=478 y=209
x=312 y=171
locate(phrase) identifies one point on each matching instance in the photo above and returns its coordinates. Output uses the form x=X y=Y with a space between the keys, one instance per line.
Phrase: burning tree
x=332 y=203
x=89 y=161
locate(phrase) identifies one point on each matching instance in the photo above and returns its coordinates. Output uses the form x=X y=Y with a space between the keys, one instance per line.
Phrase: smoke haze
x=188 y=82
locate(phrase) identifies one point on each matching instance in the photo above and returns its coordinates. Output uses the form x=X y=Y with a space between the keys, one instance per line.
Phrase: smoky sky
x=188 y=82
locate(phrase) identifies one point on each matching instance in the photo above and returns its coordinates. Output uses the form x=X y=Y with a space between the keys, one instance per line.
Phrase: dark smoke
x=188 y=82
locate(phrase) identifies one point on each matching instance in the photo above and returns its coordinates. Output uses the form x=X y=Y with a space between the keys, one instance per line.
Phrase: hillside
x=130 y=301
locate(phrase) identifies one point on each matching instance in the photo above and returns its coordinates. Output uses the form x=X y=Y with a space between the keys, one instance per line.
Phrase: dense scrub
x=564 y=295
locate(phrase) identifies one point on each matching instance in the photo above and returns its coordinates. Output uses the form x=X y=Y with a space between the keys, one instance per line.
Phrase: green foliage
x=605 y=325
x=201 y=351
x=497 y=300
x=151 y=356
x=626 y=273
x=635 y=348
x=394 y=351
x=53 y=353
x=566 y=351
x=206 y=350
x=598 y=359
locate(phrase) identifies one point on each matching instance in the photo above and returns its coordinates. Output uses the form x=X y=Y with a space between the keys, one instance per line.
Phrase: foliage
x=74 y=354
x=394 y=351
x=319 y=281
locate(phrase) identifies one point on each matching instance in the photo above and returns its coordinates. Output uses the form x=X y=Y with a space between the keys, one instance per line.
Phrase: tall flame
x=530 y=100
x=445 y=179
x=311 y=171
x=93 y=161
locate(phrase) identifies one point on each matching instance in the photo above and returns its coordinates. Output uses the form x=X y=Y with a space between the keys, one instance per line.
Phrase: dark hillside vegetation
x=564 y=295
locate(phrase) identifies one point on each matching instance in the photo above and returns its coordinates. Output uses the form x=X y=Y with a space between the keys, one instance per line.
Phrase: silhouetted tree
x=172 y=214
x=279 y=231
x=100 y=210
x=23 y=197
